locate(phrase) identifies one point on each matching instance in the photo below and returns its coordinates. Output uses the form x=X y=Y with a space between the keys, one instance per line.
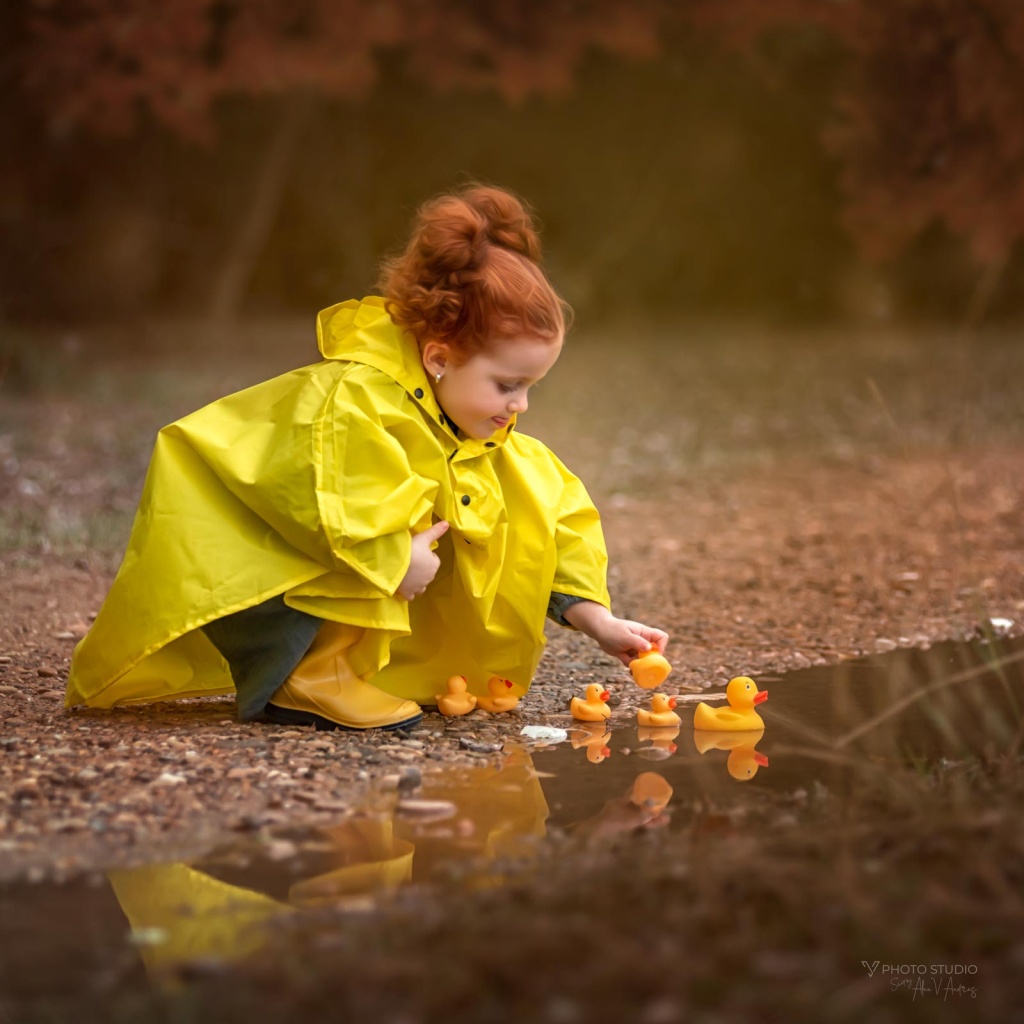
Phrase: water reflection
x=468 y=824
x=744 y=758
x=477 y=825
x=831 y=726
x=658 y=739
x=593 y=737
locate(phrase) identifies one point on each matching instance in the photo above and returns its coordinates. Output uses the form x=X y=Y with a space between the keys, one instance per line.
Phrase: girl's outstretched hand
x=622 y=638
x=423 y=564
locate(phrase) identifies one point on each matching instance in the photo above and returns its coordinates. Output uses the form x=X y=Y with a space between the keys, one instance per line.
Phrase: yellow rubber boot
x=325 y=692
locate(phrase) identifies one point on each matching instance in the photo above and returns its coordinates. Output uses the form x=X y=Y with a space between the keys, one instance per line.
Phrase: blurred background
x=789 y=228
x=787 y=162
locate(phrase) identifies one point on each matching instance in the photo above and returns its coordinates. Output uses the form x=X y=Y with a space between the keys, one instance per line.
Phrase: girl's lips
x=501 y=421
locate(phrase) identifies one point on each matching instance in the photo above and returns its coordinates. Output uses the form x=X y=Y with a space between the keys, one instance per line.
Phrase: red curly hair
x=470 y=274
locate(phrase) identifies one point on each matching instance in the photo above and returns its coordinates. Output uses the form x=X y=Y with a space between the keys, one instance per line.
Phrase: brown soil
x=757 y=574
x=755 y=566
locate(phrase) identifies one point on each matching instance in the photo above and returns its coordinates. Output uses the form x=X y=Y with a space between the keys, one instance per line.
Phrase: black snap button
x=418 y=392
x=490 y=444
x=465 y=499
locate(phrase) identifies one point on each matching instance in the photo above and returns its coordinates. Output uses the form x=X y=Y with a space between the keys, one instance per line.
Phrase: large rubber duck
x=650 y=669
x=661 y=713
x=457 y=700
x=593 y=708
x=499 y=696
x=744 y=760
x=594 y=737
x=742 y=694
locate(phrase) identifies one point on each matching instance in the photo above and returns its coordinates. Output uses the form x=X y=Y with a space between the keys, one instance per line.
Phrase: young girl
x=334 y=543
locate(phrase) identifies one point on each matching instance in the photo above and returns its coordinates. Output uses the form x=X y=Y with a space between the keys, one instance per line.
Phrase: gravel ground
x=752 y=573
x=774 y=506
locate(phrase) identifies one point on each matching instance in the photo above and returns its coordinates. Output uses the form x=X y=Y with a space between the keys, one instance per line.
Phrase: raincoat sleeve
x=582 y=559
x=326 y=469
x=368 y=494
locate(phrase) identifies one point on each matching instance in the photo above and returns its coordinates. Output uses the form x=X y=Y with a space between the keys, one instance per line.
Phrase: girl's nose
x=518 y=404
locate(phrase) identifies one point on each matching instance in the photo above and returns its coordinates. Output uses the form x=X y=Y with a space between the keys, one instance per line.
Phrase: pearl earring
x=437 y=378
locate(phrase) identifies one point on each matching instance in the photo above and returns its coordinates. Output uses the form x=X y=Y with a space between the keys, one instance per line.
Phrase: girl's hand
x=423 y=564
x=622 y=638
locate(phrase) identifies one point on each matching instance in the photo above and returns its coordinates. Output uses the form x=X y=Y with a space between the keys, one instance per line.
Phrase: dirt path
x=774 y=502
x=753 y=572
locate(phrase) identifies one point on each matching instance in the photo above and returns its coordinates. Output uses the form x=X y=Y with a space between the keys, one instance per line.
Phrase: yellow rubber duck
x=661 y=713
x=593 y=736
x=594 y=708
x=457 y=701
x=499 y=696
x=742 y=694
x=650 y=669
x=744 y=760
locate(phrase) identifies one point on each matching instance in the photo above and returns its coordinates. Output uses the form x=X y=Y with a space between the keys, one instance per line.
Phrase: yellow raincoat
x=308 y=485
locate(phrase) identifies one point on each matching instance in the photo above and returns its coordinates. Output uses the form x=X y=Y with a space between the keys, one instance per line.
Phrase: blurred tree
x=927 y=126
x=103 y=64
x=929 y=118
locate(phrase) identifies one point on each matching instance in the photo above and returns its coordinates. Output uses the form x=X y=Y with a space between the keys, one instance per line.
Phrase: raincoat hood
x=363 y=332
x=311 y=486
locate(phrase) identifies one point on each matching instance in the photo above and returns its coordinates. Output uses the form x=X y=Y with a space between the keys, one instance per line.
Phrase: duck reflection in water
x=744 y=759
x=644 y=805
x=660 y=741
x=594 y=738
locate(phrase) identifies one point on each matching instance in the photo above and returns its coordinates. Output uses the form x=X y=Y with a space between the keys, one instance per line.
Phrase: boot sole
x=287 y=716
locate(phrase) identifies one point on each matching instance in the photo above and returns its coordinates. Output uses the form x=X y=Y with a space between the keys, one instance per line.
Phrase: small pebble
x=479 y=748
x=410 y=780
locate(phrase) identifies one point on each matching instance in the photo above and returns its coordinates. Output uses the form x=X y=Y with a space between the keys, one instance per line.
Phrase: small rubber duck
x=593 y=736
x=499 y=696
x=742 y=694
x=458 y=700
x=594 y=708
x=744 y=760
x=650 y=669
x=661 y=713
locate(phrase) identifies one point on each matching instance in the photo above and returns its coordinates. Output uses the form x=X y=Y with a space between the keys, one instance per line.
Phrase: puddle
x=953 y=701
x=822 y=725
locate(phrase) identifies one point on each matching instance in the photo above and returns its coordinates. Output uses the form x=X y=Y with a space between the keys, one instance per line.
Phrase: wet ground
x=826 y=731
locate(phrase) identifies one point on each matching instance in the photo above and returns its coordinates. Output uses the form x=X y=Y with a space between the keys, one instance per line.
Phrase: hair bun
x=471 y=272
x=456 y=230
x=507 y=221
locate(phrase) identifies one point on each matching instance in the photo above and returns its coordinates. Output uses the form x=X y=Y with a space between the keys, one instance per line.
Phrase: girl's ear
x=435 y=357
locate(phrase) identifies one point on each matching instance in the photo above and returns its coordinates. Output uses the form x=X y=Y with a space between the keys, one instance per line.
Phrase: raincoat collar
x=363 y=332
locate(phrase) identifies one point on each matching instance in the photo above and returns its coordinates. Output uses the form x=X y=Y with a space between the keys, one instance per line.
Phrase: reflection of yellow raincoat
x=307 y=485
x=499 y=812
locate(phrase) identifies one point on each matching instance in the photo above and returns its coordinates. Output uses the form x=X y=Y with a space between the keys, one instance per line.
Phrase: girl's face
x=481 y=394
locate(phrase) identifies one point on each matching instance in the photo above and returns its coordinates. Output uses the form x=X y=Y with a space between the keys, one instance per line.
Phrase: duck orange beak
x=606 y=751
x=761 y=696
x=604 y=695
x=508 y=683
x=671 y=702
x=760 y=759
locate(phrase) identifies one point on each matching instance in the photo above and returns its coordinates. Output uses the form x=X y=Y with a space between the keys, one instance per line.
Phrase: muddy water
x=823 y=727
x=826 y=726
